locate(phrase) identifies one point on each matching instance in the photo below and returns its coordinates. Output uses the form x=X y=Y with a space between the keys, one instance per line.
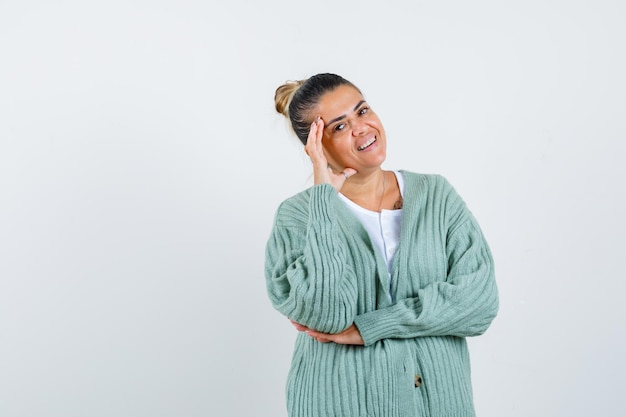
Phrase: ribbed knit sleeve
x=462 y=303
x=307 y=276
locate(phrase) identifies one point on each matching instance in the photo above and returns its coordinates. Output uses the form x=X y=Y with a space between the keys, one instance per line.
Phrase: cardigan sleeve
x=307 y=276
x=464 y=303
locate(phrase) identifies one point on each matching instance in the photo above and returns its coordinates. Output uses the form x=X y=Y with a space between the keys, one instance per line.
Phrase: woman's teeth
x=366 y=144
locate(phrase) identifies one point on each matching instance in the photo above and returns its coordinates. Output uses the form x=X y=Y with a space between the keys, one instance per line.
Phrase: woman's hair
x=296 y=99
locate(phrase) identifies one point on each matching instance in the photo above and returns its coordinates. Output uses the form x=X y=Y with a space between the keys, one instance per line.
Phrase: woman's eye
x=364 y=110
x=339 y=127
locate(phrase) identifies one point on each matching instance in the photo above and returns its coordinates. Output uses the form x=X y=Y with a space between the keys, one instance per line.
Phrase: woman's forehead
x=343 y=99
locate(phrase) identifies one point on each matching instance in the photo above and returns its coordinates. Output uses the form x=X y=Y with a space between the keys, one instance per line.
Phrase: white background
x=141 y=163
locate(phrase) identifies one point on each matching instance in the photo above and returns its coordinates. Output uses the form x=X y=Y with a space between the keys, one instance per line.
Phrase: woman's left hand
x=350 y=336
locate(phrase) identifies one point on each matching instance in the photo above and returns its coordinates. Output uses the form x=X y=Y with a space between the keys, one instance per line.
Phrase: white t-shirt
x=383 y=228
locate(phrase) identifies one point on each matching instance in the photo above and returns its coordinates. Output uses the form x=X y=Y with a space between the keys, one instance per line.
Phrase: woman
x=384 y=273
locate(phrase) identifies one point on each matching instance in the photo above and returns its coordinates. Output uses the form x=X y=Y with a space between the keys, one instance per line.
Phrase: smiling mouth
x=367 y=144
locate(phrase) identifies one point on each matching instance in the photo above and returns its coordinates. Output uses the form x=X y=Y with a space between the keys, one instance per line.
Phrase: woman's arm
x=464 y=304
x=308 y=278
x=461 y=303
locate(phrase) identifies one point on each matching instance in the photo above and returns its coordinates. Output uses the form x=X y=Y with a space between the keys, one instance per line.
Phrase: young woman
x=384 y=273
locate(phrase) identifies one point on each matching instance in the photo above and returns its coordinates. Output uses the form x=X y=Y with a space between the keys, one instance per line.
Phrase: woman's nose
x=358 y=128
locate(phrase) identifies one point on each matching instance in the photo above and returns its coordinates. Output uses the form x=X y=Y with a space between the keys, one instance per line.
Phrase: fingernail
x=318 y=119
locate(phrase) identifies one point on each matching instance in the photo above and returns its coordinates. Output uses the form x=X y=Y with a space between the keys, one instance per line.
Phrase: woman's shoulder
x=431 y=187
x=415 y=179
x=301 y=199
x=435 y=192
x=294 y=210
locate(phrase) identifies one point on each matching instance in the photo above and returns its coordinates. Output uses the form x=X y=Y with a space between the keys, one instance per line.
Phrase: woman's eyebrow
x=343 y=116
x=358 y=105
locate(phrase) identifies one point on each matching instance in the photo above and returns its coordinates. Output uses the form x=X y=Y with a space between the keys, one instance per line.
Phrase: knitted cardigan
x=322 y=271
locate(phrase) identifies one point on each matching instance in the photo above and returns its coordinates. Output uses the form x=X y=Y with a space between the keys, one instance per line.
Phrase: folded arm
x=307 y=276
x=462 y=304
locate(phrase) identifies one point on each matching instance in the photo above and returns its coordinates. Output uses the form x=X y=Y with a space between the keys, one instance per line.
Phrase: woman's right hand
x=350 y=336
x=322 y=172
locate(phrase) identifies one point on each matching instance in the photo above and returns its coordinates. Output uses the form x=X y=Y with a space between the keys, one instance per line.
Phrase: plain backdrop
x=141 y=163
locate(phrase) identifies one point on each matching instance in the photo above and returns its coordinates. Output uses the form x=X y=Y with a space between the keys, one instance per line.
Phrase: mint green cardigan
x=322 y=271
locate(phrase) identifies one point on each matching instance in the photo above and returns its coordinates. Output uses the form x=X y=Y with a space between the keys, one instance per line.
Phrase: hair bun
x=284 y=94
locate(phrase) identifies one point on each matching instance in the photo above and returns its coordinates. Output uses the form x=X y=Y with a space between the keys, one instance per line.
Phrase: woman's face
x=353 y=137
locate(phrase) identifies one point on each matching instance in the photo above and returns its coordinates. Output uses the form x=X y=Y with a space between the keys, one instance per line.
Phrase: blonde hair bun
x=284 y=94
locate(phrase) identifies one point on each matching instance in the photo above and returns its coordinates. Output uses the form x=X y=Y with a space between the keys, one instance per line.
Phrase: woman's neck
x=368 y=191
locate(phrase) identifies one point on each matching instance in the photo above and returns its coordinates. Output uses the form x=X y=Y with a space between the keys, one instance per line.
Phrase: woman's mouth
x=367 y=144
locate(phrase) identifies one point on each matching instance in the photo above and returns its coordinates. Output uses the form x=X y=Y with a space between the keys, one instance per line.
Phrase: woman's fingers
x=299 y=327
x=348 y=172
x=338 y=179
x=350 y=336
x=315 y=150
x=314 y=147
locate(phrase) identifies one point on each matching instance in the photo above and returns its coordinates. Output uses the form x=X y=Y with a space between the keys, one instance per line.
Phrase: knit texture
x=322 y=271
